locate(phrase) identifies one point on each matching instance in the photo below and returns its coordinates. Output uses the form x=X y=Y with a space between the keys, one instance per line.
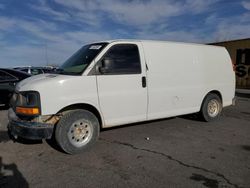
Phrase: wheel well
x=85 y=107
x=216 y=93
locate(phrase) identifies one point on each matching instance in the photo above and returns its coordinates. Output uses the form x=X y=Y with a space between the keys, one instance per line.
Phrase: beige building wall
x=239 y=51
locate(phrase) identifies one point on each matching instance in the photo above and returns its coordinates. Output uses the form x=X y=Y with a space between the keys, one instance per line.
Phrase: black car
x=8 y=80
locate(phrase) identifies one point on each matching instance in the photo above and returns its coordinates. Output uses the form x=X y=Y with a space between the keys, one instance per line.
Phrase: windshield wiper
x=59 y=70
x=62 y=71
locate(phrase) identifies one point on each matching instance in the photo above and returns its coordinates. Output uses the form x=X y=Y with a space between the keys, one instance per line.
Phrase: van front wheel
x=76 y=131
x=211 y=107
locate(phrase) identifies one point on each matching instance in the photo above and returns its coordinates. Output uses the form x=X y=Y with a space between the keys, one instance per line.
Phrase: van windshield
x=80 y=60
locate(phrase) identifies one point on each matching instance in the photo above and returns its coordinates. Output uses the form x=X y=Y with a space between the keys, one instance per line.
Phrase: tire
x=211 y=108
x=77 y=131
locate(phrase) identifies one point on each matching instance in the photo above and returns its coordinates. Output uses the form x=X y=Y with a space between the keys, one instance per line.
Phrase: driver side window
x=122 y=59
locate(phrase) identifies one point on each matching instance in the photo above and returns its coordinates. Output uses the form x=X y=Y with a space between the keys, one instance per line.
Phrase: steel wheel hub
x=213 y=108
x=80 y=133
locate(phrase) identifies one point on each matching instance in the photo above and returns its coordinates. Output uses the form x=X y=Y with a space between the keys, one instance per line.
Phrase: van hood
x=34 y=82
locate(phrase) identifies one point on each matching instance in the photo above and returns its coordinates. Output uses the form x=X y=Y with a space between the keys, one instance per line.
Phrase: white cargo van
x=111 y=83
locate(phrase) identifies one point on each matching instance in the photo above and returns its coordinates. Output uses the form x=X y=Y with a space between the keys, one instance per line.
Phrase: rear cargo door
x=122 y=87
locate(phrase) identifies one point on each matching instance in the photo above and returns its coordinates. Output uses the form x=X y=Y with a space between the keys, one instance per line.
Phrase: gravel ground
x=175 y=152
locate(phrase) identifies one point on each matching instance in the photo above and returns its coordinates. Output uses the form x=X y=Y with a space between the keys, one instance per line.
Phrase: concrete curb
x=243 y=93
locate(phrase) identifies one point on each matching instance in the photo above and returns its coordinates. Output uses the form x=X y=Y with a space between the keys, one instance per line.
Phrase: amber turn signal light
x=27 y=111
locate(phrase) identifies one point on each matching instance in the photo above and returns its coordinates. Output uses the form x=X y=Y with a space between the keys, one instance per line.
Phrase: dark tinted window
x=47 y=70
x=6 y=77
x=24 y=70
x=36 y=71
x=123 y=59
x=18 y=74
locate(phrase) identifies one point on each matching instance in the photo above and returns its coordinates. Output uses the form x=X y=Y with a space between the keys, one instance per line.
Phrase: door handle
x=144 y=81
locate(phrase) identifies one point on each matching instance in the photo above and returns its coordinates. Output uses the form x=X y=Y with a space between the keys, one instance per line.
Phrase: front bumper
x=27 y=129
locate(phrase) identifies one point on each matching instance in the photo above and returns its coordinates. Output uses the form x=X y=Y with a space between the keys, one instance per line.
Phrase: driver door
x=121 y=85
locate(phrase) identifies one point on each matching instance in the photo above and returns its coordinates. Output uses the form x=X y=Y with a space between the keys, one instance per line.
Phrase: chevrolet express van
x=118 y=82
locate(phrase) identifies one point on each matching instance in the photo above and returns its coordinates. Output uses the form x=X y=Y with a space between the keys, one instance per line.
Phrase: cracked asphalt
x=174 y=152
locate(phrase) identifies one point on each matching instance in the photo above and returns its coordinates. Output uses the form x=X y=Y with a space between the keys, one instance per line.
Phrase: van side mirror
x=104 y=66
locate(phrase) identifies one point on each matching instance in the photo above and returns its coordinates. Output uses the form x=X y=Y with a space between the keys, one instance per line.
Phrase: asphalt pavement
x=174 y=152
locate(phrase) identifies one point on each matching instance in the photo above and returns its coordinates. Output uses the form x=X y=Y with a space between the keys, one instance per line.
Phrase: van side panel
x=180 y=76
x=219 y=71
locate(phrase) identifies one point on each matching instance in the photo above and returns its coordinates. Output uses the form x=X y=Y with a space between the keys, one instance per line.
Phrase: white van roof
x=157 y=41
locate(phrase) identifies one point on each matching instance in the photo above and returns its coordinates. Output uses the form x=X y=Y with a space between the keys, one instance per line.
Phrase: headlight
x=28 y=103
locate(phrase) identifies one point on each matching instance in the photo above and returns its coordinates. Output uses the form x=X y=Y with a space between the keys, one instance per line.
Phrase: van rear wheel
x=211 y=107
x=76 y=131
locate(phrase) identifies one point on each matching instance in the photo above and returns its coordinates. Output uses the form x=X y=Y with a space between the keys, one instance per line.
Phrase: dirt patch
x=211 y=183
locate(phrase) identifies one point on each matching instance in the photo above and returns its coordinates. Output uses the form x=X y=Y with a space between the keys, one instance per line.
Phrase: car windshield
x=79 y=61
